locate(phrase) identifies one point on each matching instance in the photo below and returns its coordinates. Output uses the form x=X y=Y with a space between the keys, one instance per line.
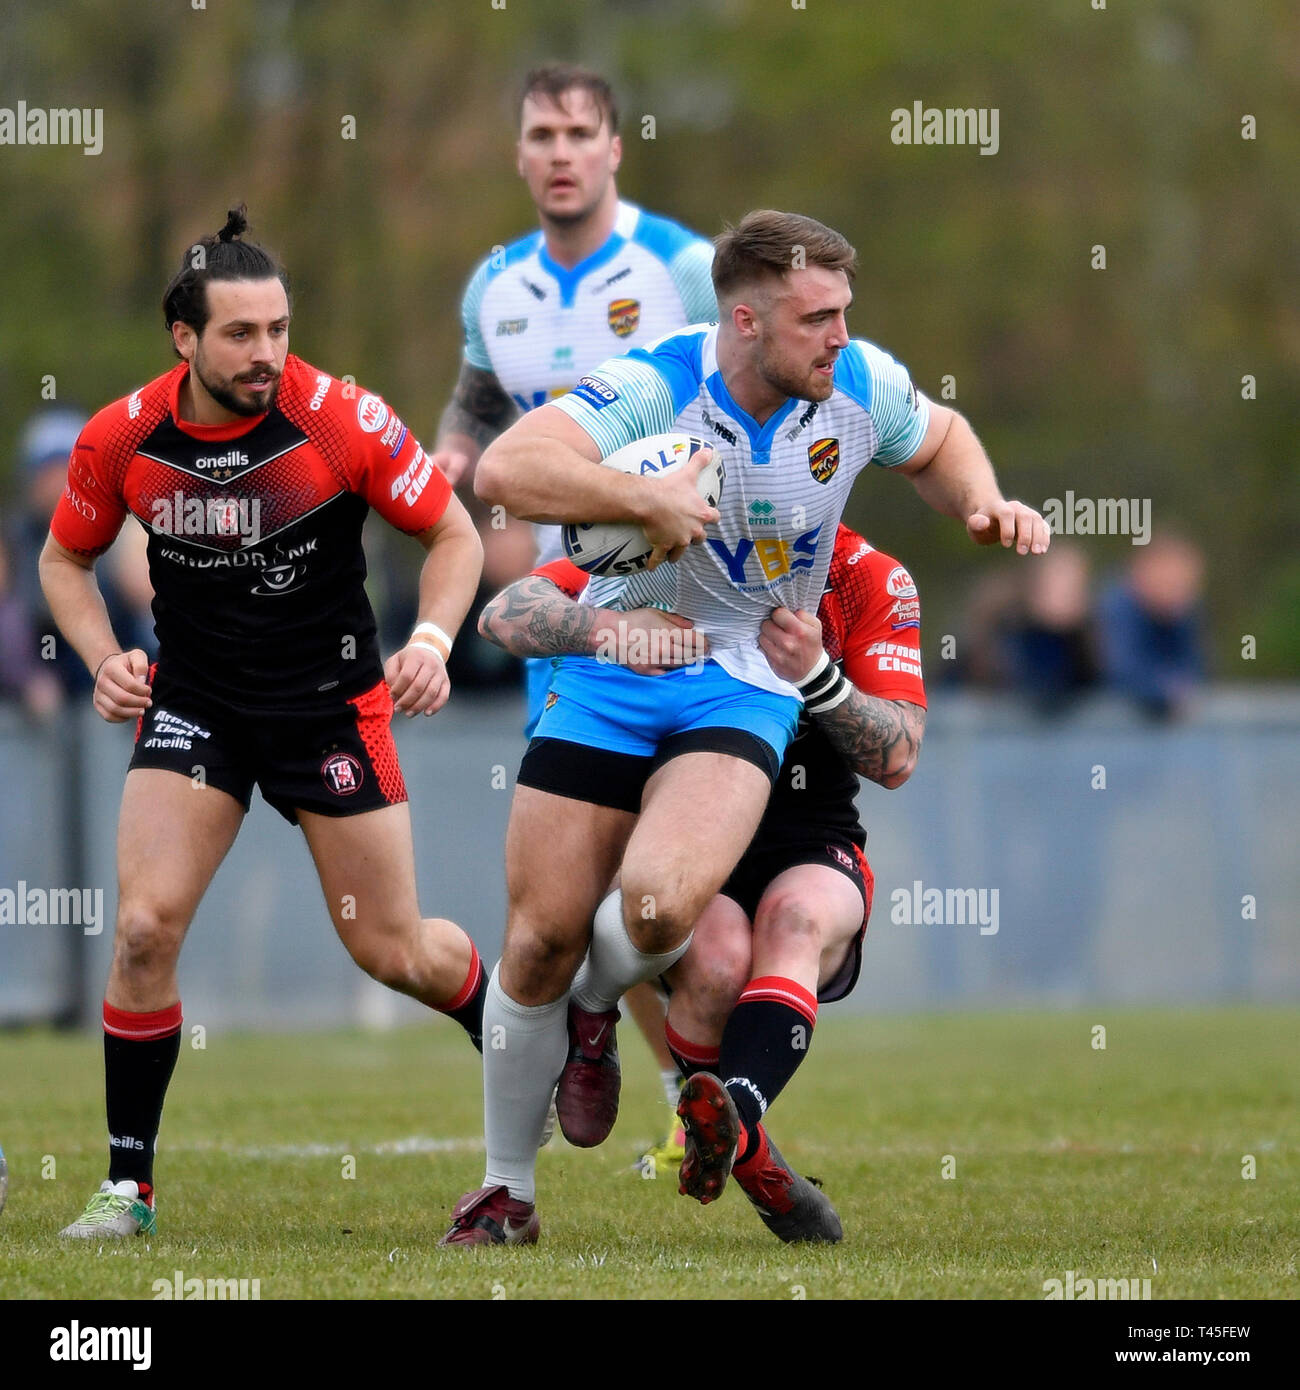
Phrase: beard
x=806 y=387
x=222 y=390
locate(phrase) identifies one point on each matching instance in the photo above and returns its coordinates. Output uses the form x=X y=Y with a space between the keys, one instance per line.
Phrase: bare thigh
x=171 y=839
x=561 y=855
x=698 y=815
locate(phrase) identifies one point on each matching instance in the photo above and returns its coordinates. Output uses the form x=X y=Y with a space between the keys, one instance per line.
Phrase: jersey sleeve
x=624 y=399
x=91 y=511
x=692 y=272
x=566 y=577
x=884 y=388
x=476 y=353
x=882 y=646
x=391 y=470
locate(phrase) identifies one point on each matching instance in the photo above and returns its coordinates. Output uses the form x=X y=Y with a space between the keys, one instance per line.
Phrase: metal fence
x=1097 y=858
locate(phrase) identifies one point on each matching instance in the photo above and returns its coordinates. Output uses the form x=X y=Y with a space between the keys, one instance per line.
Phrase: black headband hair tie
x=236 y=223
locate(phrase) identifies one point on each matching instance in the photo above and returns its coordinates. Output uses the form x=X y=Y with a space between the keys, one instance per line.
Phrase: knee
x=658 y=911
x=538 y=963
x=716 y=973
x=791 y=921
x=387 y=960
x=147 y=939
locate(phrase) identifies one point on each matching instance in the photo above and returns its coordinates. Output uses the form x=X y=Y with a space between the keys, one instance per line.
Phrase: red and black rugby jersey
x=255 y=529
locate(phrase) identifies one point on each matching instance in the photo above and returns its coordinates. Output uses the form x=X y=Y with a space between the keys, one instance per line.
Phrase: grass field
x=1116 y=1163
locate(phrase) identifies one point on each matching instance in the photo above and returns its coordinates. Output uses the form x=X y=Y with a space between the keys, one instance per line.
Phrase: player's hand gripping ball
x=622 y=547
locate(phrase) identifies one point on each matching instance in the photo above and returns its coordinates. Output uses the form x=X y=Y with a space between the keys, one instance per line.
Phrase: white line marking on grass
x=413 y=1144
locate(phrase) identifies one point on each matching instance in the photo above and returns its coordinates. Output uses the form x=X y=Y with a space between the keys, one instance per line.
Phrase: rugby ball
x=620 y=547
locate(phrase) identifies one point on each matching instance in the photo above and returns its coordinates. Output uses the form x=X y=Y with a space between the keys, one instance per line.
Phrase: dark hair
x=765 y=244
x=220 y=257
x=554 y=79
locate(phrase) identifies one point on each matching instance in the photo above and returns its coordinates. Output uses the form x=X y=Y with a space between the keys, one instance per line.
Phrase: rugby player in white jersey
x=785 y=935
x=599 y=276
x=798 y=409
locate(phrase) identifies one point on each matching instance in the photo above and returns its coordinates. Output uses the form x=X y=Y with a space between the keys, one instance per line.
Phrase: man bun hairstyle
x=222 y=256
x=555 y=79
x=765 y=244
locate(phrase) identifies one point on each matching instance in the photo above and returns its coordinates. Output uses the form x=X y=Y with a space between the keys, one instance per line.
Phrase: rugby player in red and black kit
x=253 y=472
x=786 y=932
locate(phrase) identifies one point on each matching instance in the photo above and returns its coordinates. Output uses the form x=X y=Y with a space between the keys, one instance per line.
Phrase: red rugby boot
x=712 y=1128
x=491 y=1216
x=586 y=1100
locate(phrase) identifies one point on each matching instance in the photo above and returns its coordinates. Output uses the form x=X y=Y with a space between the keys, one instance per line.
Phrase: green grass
x=1117 y=1163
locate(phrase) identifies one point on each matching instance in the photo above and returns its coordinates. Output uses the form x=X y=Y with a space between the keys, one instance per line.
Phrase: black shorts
x=769 y=857
x=339 y=760
x=617 y=780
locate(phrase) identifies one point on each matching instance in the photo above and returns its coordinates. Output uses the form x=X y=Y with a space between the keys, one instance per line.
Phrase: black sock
x=765 y=1040
x=140 y=1052
x=467 y=1007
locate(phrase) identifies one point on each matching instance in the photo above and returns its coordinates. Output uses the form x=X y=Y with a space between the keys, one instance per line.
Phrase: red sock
x=690 y=1057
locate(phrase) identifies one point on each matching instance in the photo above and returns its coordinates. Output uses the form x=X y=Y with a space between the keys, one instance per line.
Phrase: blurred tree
x=1121 y=128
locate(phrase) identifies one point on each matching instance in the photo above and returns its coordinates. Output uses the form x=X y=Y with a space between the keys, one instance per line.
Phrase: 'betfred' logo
x=372 y=414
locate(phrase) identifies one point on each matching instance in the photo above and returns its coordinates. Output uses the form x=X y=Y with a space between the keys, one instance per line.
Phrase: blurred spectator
x=980 y=658
x=1151 y=627
x=23 y=677
x=1050 y=648
x=43 y=449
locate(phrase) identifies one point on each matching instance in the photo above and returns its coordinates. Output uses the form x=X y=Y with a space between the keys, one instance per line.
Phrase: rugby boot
x=712 y=1132
x=793 y=1208
x=491 y=1216
x=117 y=1209
x=586 y=1099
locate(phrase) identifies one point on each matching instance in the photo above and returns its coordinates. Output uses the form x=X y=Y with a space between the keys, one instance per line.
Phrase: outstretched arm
x=953 y=474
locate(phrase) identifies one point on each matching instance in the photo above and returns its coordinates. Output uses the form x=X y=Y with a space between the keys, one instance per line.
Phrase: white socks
x=524 y=1050
x=613 y=964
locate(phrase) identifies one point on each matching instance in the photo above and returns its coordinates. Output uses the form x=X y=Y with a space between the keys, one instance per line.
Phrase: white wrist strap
x=431 y=635
x=823 y=661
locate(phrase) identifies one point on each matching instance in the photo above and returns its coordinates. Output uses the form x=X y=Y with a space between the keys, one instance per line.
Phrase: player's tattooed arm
x=879 y=739
x=479 y=408
x=534 y=618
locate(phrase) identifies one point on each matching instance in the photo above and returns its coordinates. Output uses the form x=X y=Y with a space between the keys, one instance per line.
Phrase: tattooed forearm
x=534 y=618
x=478 y=407
x=879 y=739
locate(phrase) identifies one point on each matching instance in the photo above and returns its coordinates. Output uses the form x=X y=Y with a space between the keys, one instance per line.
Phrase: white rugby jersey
x=539 y=327
x=786 y=483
